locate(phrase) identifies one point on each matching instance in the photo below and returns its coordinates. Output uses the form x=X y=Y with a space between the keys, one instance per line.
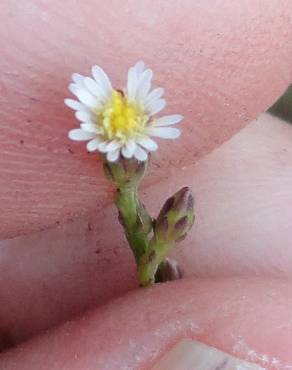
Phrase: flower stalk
x=126 y=174
x=135 y=221
x=172 y=225
x=150 y=261
x=150 y=240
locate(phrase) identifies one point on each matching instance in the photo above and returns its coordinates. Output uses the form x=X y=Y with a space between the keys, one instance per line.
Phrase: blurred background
x=283 y=106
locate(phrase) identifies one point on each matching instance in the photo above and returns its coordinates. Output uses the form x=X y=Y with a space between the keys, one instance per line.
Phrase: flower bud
x=168 y=270
x=125 y=172
x=176 y=217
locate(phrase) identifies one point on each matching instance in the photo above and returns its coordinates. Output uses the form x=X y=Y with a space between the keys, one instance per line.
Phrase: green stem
x=135 y=220
x=150 y=243
x=149 y=263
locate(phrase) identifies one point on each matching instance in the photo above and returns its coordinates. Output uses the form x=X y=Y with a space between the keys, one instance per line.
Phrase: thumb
x=215 y=63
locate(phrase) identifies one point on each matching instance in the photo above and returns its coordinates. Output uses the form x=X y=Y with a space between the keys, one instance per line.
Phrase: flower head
x=120 y=122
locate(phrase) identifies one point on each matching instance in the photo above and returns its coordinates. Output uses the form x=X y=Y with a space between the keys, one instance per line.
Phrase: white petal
x=154 y=95
x=140 y=154
x=155 y=107
x=138 y=84
x=102 y=80
x=78 y=79
x=83 y=116
x=144 y=85
x=126 y=153
x=147 y=143
x=95 y=89
x=129 y=149
x=164 y=132
x=92 y=145
x=89 y=127
x=131 y=83
x=168 y=120
x=139 y=67
x=143 y=93
x=73 y=88
x=80 y=135
x=86 y=98
x=113 y=156
x=113 y=145
x=74 y=104
x=102 y=147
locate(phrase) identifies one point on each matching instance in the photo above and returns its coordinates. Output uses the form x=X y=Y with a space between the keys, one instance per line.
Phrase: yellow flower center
x=121 y=119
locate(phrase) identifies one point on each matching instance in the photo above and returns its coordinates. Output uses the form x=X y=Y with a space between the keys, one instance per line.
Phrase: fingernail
x=192 y=355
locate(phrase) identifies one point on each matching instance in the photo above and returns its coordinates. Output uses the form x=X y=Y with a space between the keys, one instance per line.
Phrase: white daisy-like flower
x=120 y=122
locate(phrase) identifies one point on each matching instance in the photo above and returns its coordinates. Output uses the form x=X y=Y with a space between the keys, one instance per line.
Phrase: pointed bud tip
x=184 y=200
x=167 y=206
x=176 y=217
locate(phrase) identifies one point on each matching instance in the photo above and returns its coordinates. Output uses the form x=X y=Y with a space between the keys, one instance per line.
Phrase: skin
x=249 y=318
x=79 y=267
x=215 y=64
x=64 y=277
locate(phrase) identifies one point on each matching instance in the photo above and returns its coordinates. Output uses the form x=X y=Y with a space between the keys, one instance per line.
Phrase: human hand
x=80 y=278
